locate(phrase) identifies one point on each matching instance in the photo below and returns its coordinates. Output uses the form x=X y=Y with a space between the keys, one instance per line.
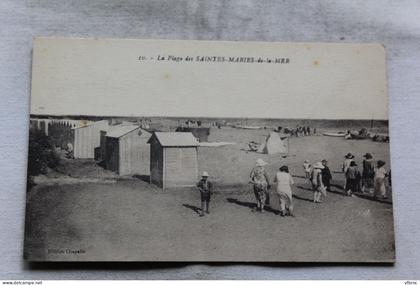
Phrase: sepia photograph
x=205 y=151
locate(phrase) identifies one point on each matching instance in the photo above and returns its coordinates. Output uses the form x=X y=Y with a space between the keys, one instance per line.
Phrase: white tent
x=274 y=144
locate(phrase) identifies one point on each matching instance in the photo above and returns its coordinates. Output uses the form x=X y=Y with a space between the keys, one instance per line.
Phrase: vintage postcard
x=154 y=150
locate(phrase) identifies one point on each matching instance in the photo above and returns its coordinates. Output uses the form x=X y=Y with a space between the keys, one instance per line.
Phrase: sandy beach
x=73 y=217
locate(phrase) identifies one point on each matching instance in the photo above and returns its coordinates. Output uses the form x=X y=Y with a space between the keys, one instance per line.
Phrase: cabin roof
x=175 y=139
x=88 y=124
x=119 y=131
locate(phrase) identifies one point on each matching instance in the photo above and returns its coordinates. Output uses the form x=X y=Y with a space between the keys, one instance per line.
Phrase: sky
x=109 y=77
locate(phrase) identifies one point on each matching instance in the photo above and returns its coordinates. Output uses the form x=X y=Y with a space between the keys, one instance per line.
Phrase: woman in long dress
x=379 y=180
x=284 y=183
x=316 y=180
x=261 y=184
x=346 y=164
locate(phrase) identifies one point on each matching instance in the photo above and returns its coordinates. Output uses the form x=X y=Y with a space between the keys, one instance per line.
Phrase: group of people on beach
x=370 y=181
x=299 y=131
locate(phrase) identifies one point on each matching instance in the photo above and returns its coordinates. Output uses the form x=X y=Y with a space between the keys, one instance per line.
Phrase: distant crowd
x=299 y=131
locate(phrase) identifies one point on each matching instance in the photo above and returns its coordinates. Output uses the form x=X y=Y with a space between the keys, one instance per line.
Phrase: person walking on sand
x=326 y=175
x=261 y=184
x=316 y=180
x=379 y=180
x=307 y=167
x=284 y=182
x=204 y=186
x=368 y=173
x=352 y=179
x=348 y=158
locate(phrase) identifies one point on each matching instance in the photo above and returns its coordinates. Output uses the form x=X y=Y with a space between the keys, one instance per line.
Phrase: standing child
x=307 y=167
x=205 y=192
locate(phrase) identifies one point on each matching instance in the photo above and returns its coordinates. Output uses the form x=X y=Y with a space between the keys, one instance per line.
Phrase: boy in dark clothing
x=205 y=192
x=326 y=175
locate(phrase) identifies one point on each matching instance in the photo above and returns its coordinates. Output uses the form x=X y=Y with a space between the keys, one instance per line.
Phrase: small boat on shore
x=339 y=134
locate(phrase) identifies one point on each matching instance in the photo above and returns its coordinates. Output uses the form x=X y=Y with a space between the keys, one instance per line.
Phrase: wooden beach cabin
x=87 y=138
x=127 y=151
x=173 y=159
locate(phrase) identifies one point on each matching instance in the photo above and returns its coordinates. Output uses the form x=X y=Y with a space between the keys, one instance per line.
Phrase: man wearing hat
x=326 y=175
x=205 y=192
x=368 y=173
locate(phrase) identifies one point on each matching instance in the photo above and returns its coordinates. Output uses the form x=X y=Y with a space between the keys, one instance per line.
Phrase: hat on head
x=306 y=161
x=261 y=162
x=349 y=155
x=368 y=155
x=284 y=168
x=205 y=174
x=324 y=161
x=381 y=163
x=318 y=165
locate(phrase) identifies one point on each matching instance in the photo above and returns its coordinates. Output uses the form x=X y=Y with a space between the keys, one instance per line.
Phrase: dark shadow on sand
x=252 y=206
x=145 y=178
x=301 y=198
x=370 y=198
x=102 y=164
x=304 y=188
x=339 y=192
x=329 y=191
x=337 y=186
x=194 y=208
x=300 y=176
x=358 y=194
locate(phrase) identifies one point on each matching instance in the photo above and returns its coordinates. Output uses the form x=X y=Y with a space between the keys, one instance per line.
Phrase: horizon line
x=211 y=117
